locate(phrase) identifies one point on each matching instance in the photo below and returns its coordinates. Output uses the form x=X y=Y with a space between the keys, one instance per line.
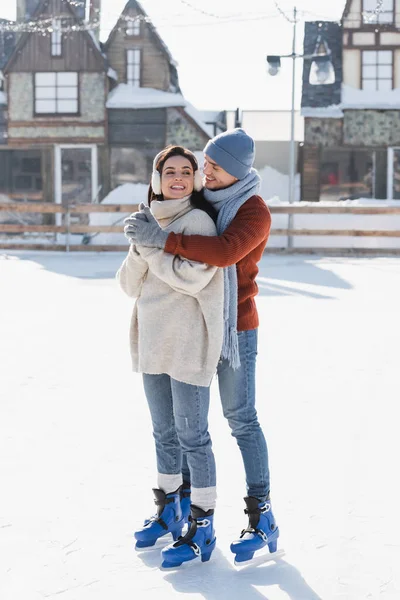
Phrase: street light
x=274 y=65
x=321 y=73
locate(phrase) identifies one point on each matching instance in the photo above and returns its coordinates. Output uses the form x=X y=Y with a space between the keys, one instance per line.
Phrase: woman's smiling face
x=177 y=178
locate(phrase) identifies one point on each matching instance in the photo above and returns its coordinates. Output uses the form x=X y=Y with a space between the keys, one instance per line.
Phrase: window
x=56 y=38
x=378 y=12
x=377 y=70
x=56 y=93
x=353 y=173
x=133 y=67
x=133 y=26
x=20 y=175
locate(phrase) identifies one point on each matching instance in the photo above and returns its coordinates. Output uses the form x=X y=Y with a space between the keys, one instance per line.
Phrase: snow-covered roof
x=327 y=112
x=128 y=96
x=95 y=40
x=374 y=99
x=112 y=73
x=197 y=116
x=356 y=99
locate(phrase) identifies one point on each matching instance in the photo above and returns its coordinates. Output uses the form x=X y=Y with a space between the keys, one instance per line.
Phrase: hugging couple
x=191 y=266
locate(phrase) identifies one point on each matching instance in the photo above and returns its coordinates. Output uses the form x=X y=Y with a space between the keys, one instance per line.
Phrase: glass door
x=75 y=177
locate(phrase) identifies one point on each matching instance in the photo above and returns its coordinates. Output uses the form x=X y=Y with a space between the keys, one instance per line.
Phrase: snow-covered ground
x=76 y=451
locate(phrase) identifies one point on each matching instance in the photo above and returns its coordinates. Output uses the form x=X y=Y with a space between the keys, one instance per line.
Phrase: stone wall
x=180 y=131
x=323 y=132
x=371 y=128
x=357 y=128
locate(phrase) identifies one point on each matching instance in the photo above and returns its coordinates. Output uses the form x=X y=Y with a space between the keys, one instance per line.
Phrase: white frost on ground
x=76 y=451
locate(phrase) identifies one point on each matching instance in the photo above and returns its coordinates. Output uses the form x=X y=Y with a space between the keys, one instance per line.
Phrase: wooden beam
x=103 y=208
x=96 y=229
x=33 y=207
x=336 y=251
x=50 y=207
x=12 y=228
x=49 y=247
x=335 y=210
x=337 y=232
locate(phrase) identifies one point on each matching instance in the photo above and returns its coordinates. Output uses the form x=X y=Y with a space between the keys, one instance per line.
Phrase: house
x=56 y=88
x=7 y=43
x=146 y=109
x=80 y=117
x=352 y=126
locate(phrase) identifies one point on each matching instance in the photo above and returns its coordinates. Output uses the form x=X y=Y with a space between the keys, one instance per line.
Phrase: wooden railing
x=67 y=228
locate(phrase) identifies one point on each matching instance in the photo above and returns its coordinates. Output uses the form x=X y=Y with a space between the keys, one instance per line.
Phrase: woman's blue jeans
x=179 y=413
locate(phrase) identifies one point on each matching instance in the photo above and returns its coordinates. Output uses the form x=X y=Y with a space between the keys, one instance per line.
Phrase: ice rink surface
x=76 y=451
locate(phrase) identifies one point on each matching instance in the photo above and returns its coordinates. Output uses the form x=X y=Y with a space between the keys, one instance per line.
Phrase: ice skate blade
x=260 y=559
x=159 y=544
x=185 y=564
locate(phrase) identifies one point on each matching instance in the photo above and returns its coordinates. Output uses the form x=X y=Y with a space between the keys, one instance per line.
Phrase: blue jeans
x=238 y=396
x=179 y=413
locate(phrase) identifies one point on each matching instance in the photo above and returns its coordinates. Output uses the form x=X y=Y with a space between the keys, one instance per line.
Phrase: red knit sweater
x=242 y=243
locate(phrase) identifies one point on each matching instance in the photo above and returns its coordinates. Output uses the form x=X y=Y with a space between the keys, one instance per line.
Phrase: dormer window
x=56 y=38
x=133 y=67
x=378 y=13
x=133 y=27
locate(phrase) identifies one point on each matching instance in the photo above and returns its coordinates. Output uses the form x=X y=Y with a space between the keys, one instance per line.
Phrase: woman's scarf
x=227 y=203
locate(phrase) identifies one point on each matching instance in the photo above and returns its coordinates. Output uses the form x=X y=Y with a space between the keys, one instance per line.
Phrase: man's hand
x=144 y=231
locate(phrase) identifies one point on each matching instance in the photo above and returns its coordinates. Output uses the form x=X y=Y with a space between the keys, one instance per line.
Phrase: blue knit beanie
x=233 y=150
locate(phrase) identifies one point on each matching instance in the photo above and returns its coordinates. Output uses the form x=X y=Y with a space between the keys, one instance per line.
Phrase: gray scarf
x=227 y=202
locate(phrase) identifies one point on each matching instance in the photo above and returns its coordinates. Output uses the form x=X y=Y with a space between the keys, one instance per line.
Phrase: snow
x=3 y=98
x=197 y=116
x=275 y=185
x=333 y=111
x=77 y=455
x=364 y=99
x=353 y=98
x=112 y=73
x=128 y=96
x=95 y=40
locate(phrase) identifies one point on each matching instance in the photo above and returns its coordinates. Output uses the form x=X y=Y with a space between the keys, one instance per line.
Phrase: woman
x=176 y=340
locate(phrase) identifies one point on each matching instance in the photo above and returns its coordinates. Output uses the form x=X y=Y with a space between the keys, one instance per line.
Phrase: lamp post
x=321 y=73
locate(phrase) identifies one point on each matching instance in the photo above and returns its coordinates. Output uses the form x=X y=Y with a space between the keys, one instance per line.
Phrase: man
x=243 y=225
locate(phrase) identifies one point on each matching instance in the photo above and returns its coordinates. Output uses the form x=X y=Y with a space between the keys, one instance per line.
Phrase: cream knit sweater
x=177 y=320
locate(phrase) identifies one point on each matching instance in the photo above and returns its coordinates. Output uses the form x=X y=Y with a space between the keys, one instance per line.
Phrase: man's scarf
x=227 y=203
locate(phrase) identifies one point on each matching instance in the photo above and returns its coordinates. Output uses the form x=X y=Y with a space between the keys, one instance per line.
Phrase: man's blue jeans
x=238 y=396
x=179 y=413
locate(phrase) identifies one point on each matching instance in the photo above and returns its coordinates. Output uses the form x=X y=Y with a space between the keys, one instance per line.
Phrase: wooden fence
x=67 y=228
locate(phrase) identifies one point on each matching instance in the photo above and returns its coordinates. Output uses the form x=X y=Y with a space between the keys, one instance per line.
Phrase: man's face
x=215 y=176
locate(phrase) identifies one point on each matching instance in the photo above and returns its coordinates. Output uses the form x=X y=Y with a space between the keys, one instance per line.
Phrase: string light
x=200 y=10
x=69 y=25
x=45 y=25
x=370 y=15
x=282 y=13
